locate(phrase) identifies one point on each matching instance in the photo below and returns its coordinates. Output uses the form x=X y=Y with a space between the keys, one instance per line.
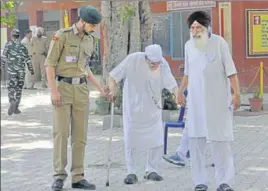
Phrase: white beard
x=154 y=73
x=201 y=42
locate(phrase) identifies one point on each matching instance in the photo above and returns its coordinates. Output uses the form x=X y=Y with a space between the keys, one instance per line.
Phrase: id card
x=69 y=59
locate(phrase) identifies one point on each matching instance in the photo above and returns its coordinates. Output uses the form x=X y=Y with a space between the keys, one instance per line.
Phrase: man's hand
x=112 y=95
x=32 y=73
x=55 y=97
x=103 y=92
x=236 y=102
x=181 y=99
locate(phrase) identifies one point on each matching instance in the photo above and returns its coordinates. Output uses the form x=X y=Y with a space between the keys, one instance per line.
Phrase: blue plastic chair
x=177 y=124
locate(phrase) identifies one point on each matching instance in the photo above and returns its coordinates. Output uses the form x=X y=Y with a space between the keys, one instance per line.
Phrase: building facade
x=242 y=24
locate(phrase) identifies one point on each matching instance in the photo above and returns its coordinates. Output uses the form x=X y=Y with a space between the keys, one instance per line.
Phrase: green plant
x=10 y=7
x=257 y=94
x=101 y=100
x=168 y=100
x=103 y=105
x=126 y=12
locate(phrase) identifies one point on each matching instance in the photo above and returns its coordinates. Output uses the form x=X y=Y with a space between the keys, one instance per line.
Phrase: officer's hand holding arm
x=53 y=56
x=94 y=81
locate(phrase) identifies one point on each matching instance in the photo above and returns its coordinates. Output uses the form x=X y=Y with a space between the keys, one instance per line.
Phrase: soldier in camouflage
x=15 y=55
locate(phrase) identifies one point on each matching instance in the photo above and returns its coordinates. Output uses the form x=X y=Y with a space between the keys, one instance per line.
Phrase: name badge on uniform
x=70 y=59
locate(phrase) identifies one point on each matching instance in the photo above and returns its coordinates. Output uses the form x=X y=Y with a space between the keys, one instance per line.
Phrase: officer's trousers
x=74 y=111
x=15 y=85
x=39 y=67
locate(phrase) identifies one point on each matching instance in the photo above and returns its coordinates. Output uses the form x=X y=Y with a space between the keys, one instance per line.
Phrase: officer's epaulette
x=68 y=29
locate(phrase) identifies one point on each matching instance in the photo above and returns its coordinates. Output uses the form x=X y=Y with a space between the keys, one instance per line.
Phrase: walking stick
x=109 y=146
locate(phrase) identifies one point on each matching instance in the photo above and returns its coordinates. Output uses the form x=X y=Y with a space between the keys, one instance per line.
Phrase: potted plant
x=256 y=102
x=103 y=105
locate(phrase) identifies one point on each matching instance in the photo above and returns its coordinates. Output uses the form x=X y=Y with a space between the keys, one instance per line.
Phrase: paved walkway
x=26 y=152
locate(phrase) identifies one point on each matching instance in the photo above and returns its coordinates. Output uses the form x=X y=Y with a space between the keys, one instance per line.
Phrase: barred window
x=180 y=32
x=161 y=32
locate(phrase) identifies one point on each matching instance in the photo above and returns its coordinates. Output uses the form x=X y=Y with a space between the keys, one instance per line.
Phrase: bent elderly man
x=145 y=74
x=209 y=69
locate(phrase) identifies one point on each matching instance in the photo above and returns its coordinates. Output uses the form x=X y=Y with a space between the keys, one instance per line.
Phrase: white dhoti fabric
x=183 y=148
x=152 y=162
x=222 y=158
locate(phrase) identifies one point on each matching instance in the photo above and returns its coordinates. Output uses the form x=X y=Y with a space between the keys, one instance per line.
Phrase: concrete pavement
x=26 y=152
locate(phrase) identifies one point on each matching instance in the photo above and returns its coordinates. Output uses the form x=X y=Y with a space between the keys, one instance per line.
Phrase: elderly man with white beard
x=145 y=74
x=209 y=75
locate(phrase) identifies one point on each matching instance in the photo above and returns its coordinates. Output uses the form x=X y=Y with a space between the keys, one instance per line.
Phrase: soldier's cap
x=201 y=17
x=15 y=32
x=28 y=31
x=90 y=15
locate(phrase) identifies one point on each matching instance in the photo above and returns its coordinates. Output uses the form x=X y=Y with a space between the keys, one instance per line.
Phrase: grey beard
x=201 y=43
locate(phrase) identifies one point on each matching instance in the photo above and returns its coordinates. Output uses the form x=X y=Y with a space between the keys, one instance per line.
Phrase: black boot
x=57 y=185
x=131 y=179
x=17 y=111
x=12 y=107
x=84 y=184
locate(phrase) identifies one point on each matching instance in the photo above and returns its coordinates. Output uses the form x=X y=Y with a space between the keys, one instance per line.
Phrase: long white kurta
x=209 y=99
x=142 y=92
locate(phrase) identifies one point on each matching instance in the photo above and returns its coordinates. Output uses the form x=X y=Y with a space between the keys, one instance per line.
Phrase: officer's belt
x=72 y=80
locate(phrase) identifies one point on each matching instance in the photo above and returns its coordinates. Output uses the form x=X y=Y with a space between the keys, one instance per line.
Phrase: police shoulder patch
x=56 y=35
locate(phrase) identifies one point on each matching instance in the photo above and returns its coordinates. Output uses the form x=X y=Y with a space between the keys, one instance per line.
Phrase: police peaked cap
x=90 y=15
x=201 y=17
x=28 y=31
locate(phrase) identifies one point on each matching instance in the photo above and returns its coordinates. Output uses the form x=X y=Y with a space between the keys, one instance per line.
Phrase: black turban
x=90 y=15
x=201 y=17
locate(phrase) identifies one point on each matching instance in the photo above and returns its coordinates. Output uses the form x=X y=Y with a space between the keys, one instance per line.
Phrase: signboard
x=257 y=32
x=180 y=5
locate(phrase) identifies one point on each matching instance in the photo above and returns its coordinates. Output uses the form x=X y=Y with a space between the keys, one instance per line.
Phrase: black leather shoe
x=57 y=185
x=83 y=184
x=12 y=108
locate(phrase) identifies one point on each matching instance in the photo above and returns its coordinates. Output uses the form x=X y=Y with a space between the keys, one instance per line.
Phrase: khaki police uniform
x=39 y=47
x=69 y=53
x=28 y=77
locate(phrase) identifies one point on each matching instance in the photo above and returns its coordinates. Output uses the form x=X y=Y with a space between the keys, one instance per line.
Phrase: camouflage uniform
x=15 y=55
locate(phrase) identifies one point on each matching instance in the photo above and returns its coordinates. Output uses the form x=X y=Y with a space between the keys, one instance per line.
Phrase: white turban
x=154 y=53
x=40 y=29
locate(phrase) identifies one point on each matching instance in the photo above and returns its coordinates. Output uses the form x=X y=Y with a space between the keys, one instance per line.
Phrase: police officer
x=15 y=55
x=68 y=74
x=39 y=46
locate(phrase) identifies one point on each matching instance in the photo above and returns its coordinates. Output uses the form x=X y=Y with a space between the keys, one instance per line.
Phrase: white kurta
x=209 y=94
x=142 y=92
